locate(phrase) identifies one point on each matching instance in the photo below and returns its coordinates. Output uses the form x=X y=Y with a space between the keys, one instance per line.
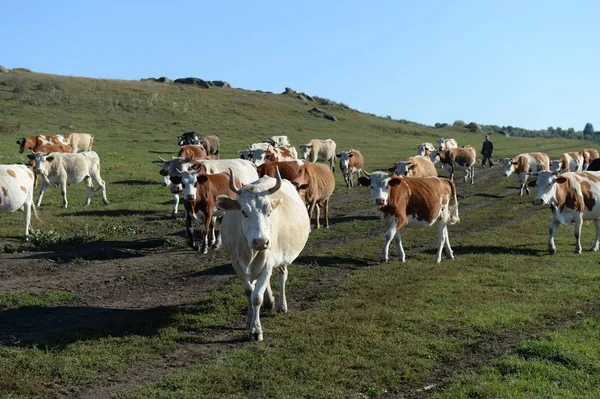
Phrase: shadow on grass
x=329 y=261
x=163 y=152
x=491 y=195
x=137 y=182
x=113 y=212
x=495 y=250
x=345 y=219
x=221 y=270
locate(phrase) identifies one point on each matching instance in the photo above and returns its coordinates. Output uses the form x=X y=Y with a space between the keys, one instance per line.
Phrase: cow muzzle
x=505 y=174
x=190 y=197
x=260 y=244
x=176 y=189
x=380 y=201
x=538 y=201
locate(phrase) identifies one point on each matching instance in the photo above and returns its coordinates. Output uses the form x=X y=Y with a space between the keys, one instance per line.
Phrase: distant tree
x=550 y=129
x=459 y=123
x=588 y=131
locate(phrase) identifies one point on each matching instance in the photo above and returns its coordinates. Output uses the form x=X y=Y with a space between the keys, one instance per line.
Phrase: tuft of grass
x=27 y=299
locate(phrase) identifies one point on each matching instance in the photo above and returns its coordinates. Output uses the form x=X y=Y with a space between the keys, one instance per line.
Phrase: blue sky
x=531 y=64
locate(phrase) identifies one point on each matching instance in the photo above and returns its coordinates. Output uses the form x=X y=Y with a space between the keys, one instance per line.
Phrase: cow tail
x=453 y=204
x=33 y=208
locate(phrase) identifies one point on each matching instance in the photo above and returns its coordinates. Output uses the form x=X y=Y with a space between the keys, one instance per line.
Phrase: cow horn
x=232 y=183
x=277 y=185
x=161 y=158
x=366 y=173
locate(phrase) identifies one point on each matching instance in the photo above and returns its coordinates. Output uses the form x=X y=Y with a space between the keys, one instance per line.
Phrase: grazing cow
x=416 y=202
x=377 y=181
x=425 y=149
x=524 y=164
x=60 y=169
x=417 y=166
x=319 y=150
x=80 y=142
x=446 y=144
x=274 y=154
x=350 y=162
x=264 y=229
x=16 y=191
x=278 y=141
x=288 y=169
x=573 y=197
x=32 y=142
x=568 y=162
x=188 y=138
x=200 y=193
x=192 y=151
x=315 y=184
x=212 y=145
x=588 y=155
x=464 y=157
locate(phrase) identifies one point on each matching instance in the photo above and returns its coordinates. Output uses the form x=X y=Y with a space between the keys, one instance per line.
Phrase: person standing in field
x=487 y=150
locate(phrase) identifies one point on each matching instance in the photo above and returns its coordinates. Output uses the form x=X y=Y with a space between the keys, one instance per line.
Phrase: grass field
x=504 y=319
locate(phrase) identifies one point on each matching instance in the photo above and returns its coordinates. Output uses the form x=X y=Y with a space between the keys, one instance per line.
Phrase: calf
x=573 y=197
x=417 y=166
x=416 y=202
x=212 y=145
x=319 y=150
x=460 y=158
x=288 y=169
x=588 y=155
x=16 y=191
x=192 y=151
x=188 y=138
x=32 y=142
x=200 y=193
x=60 y=169
x=80 y=141
x=315 y=184
x=568 y=162
x=524 y=164
x=350 y=162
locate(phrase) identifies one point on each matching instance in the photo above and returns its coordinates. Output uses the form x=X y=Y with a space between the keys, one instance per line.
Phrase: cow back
x=287 y=169
x=320 y=181
x=16 y=187
x=192 y=151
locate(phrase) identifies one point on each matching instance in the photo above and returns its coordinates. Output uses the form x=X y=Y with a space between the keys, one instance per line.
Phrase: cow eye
x=245 y=214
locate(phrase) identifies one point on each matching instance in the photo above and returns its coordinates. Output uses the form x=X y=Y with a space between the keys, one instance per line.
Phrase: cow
x=415 y=202
x=568 y=162
x=80 y=141
x=377 y=181
x=288 y=169
x=588 y=155
x=278 y=141
x=188 y=138
x=264 y=229
x=192 y=151
x=54 y=148
x=171 y=176
x=274 y=154
x=417 y=166
x=58 y=168
x=248 y=153
x=446 y=144
x=16 y=191
x=425 y=149
x=464 y=157
x=319 y=150
x=573 y=197
x=315 y=184
x=244 y=170
x=524 y=164
x=200 y=192
x=32 y=142
x=350 y=162
x=212 y=145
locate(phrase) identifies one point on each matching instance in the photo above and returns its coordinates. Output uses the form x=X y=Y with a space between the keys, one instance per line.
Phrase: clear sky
x=526 y=63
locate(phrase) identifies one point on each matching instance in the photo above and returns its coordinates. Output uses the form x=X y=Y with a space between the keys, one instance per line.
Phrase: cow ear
x=364 y=181
x=392 y=169
x=226 y=203
x=395 y=181
x=560 y=180
x=515 y=163
x=302 y=186
x=276 y=202
x=50 y=159
x=532 y=183
x=410 y=166
x=338 y=155
x=202 y=179
x=350 y=155
x=31 y=156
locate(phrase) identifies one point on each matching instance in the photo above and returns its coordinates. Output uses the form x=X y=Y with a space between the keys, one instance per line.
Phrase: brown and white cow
x=463 y=158
x=80 y=141
x=417 y=166
x=524 y=164
x=446 y=144
x=588 y=155
x=568 y=162
x=263 y=230
x=574 y=197
x=212 y=145
x=192 y=151
x=248 y=153
x=319 y=150
x=287 y=169
x=274 y=154
x=16 y=191
x=32 y=142
x=315 y=184
x=415 y=202
x=350 y=162
x=200 y=191
x=377 y=182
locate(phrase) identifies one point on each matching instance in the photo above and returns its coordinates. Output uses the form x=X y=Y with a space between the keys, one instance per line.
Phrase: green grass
x=26 y=299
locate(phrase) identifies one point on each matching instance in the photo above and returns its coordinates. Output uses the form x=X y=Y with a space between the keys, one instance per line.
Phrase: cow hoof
x=552 y=251
x=256 y=336
x=578 y=251
x=383 y=259
x=216 y=246
x=595 y=249
x=174 y=215
x=282 y=310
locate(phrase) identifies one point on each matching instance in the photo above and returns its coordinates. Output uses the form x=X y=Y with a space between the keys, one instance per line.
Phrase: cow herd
x=260 y=206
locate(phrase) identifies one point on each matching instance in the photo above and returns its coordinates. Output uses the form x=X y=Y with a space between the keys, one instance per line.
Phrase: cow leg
x=451 y=172
x=597 y=241
x=390 y=233
x=208 y=226
x=401 y=253
x=102 y=185
x=578 y=224
x=551 y=231
x=269 y=298
x=283 y=275
x=332 y=163
x=441 y=242
x=472 y=173
x=176 y=200
x=90 y=191
x=256 y=299
x=28 y=206
x=42 y=190
x=189 y=231
x=311 y=211
x=447 y=247
x=326 y=212
x=318 y=208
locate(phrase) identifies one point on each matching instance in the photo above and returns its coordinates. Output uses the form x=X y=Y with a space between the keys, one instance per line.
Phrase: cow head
x=441 y=142
x=509 y=166
x=377 y=181
x=425 y=148
x=174 y=167
x=41 y=162
x=555 y=166
x=21 y=143
x=344 y=157
x=546 y=187
x=255 y=204
x=402 y=168
x=305 y=150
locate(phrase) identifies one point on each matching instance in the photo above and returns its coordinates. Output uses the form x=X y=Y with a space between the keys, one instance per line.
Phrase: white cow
x=16 y=191
x=264 y=229
x=61 y=168
x=319 y=150
x=248 y=153
x=446 y=144
x=425 y=149
x=278 y=141
x=81 y=141
x=244 y=170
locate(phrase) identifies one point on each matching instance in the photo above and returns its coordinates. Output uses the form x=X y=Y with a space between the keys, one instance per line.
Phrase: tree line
x=588 y=132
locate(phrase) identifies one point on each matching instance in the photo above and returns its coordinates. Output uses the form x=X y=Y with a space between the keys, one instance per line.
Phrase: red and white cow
x=274 y=154
x=588 y=155
x=16 y=191
x=319 y=150
x=417 y=166
x=463 y=158
x=574 y=197
x=416 y=202
x=524 y=164
x=32 y=142
x=263 y=230
x=315 y=184
x=60 y=169
x=350 y=162
x=568 y=162
x=200 y=192
x=192 y=151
